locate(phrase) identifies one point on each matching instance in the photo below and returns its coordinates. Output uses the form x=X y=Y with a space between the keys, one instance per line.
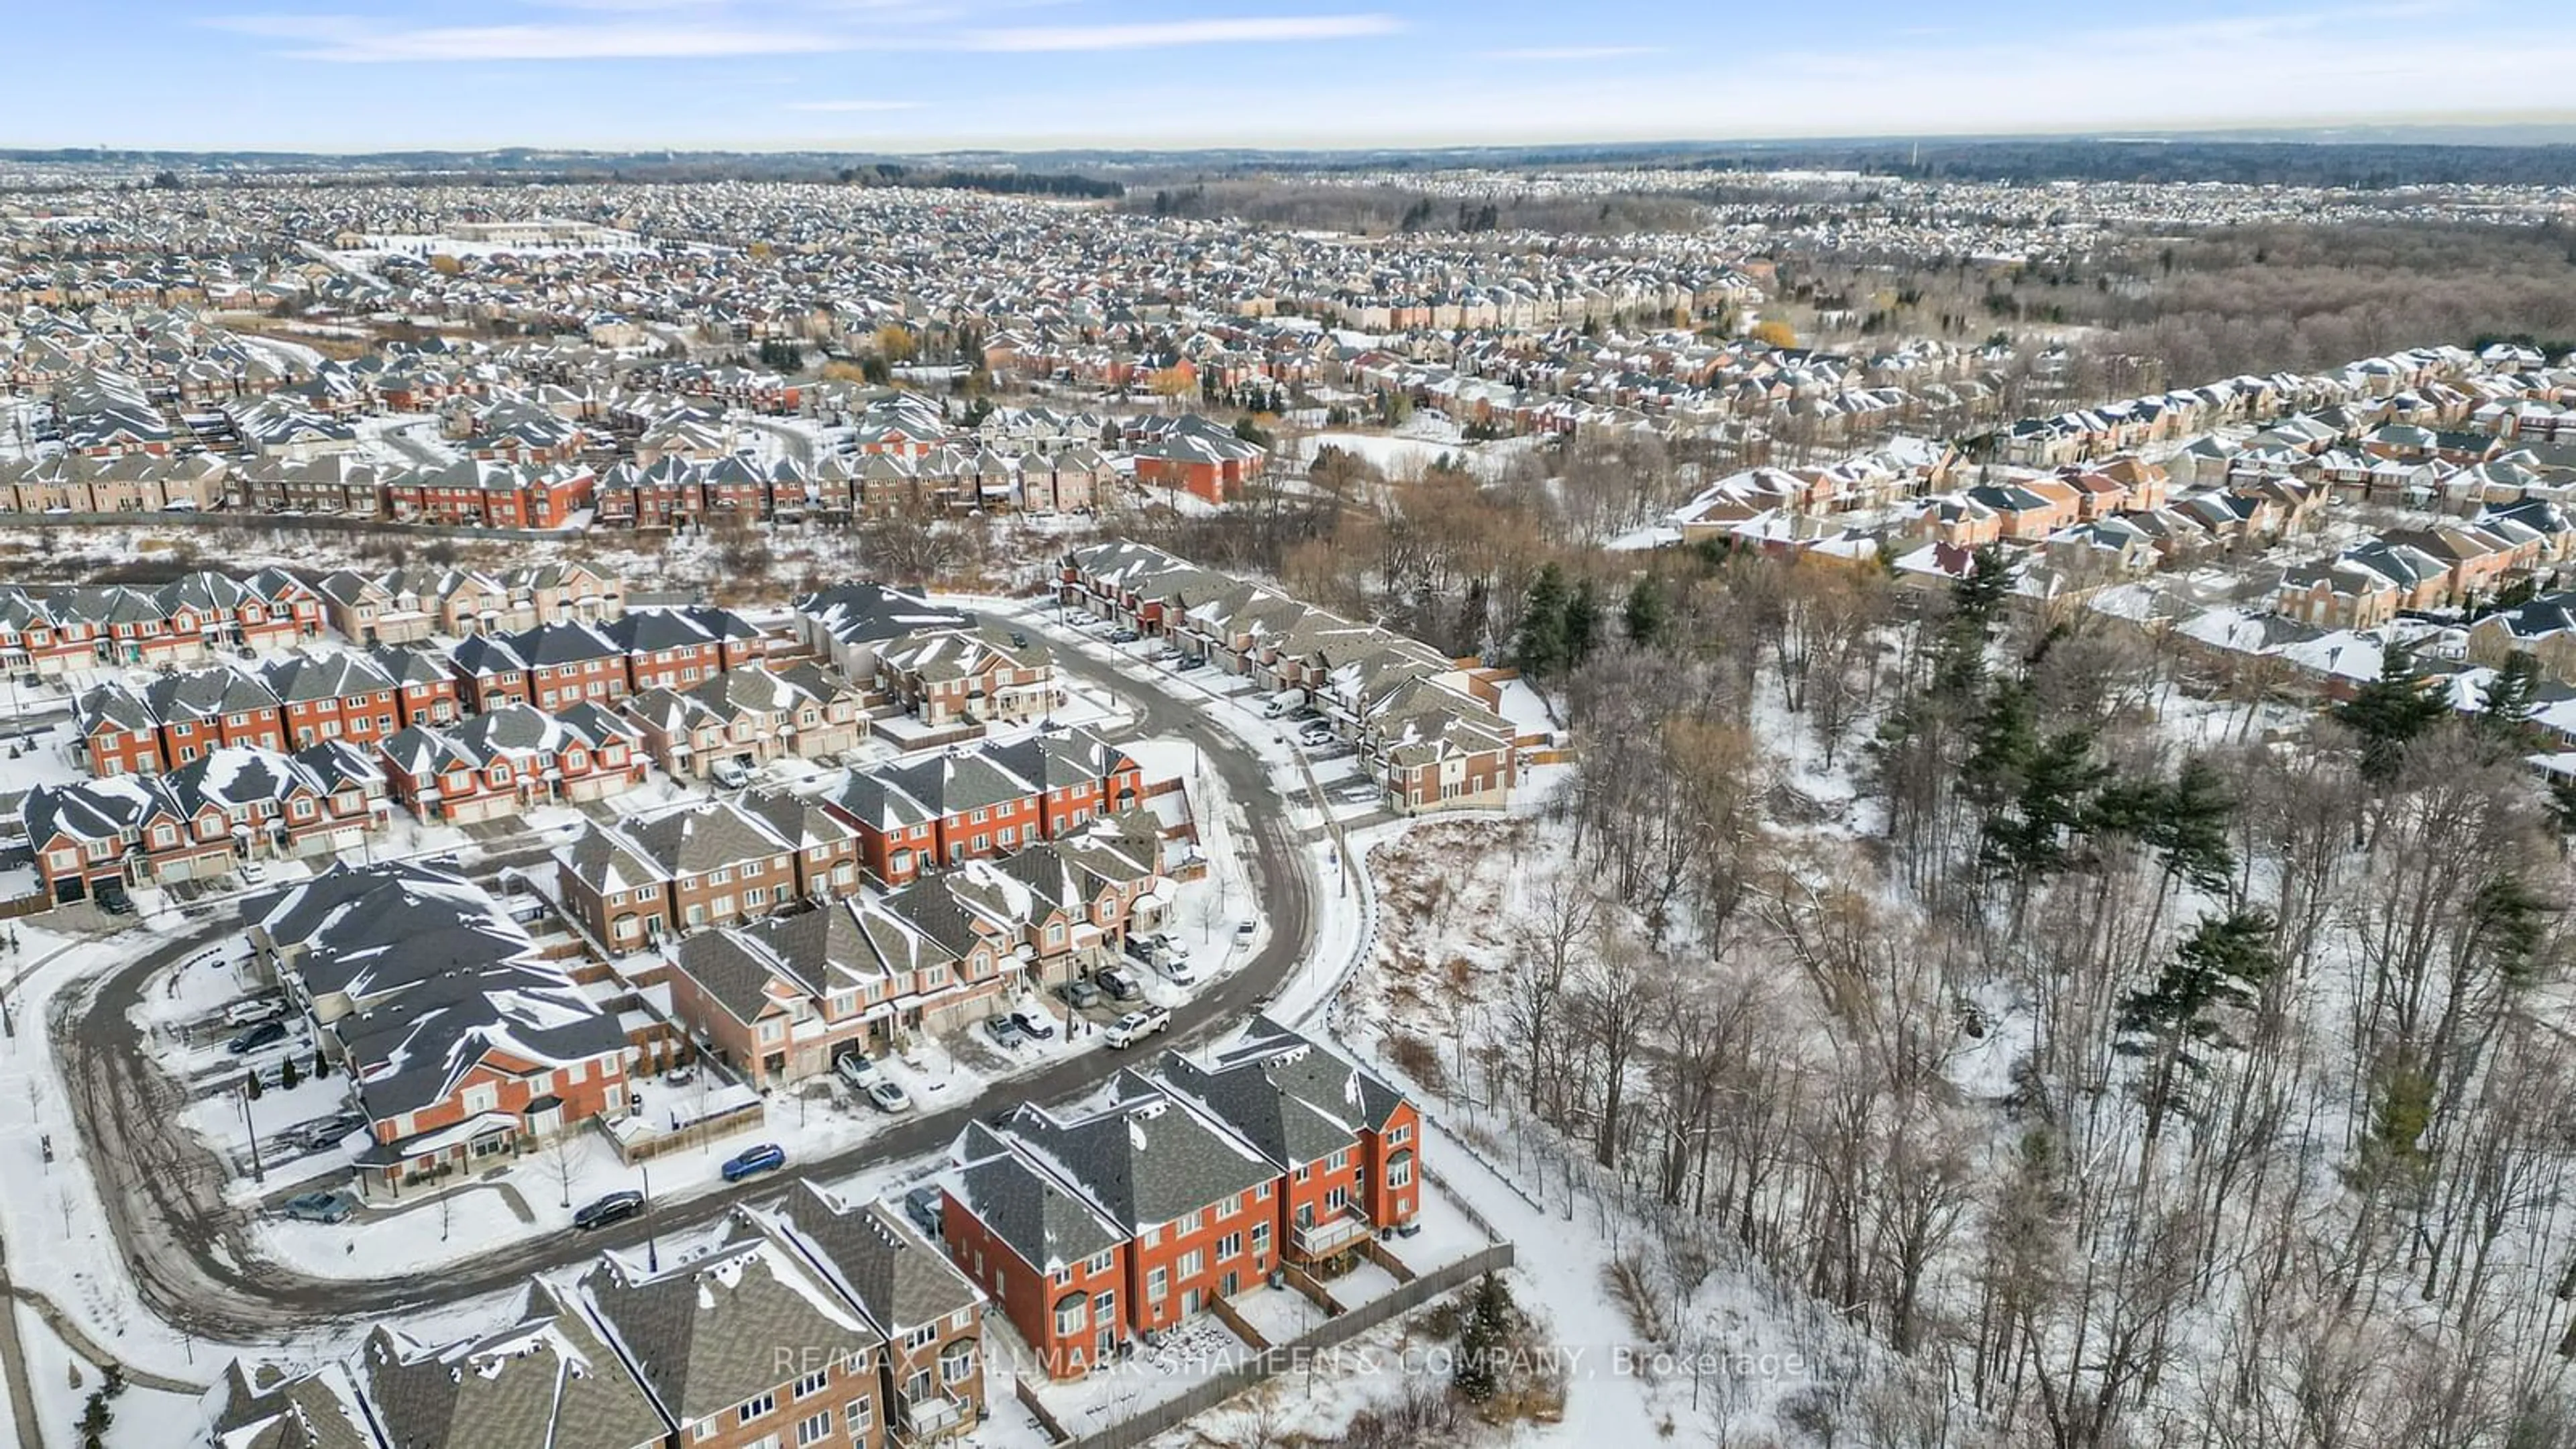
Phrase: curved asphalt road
x=196 y=1264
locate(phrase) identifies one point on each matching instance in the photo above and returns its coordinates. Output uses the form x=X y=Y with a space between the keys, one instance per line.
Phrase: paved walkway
x=79 y=1342
x=13 y=1358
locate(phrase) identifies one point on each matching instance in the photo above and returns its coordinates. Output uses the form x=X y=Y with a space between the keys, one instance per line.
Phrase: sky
x=899 y=75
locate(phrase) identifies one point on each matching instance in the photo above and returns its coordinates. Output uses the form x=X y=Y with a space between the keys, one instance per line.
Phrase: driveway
x=196 y=1264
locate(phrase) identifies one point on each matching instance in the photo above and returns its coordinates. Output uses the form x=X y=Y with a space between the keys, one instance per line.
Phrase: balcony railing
x=1322 y=1240
x=937 y=1416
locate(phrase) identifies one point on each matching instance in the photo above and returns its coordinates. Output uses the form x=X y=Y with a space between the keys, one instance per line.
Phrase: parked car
x=729 y=774
x=1005 y=1032
x=1079 y=994
x=617 y=1207
x=752 y=1161
x=267 y=1033
x=922 y=1205
x=111 y=898
x=1135 y=1026
x=1166 y=654
x=254 y=1011
x=1176 y=969
x=1244 y=931
x=1125 y=636
x=1195 y=661
x=318 y=1207
x=1035 y=1021
x=888 y=1095
x=856 y=1069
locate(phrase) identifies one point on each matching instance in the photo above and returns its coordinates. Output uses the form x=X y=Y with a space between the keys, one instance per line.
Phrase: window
x=721 y=877
x=920 y=1337
x=1069 y=1316
x=480 y=1099
x=1158 y=1285
x=962 y=1319
x=626 y=928
x=856 y=1416
x=1260 y=1239
x=1399 y=1135
x=1337 y=1198
x=1193 y=1262
x=769 y=1030
x=957 y=1363
x=756 y=1408
x=1399 y=1173
x=1102 y=1262
x=1340 y=1159
x=706 y=1429
x=1229 y=1246
x=813 y=1383
x=1104 y=1306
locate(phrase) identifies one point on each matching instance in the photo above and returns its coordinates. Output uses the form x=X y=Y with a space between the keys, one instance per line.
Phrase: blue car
x=751 y=1161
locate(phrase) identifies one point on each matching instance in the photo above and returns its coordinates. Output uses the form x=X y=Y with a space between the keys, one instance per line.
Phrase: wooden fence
x=1339 y=1329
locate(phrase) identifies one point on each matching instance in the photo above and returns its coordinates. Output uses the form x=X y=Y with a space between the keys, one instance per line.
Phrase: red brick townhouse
x=742 y=1345
x=782 y=999
x=510 y=760
x=1091 y=1227
x=109 y=830
x=1197 y=456
x=463 y=1044
x=981 y=673
x=490 y=493
x=262 y=803
x=931 y=1382
x=209 y=708
x=425 y=689
x=808 y=1321
x=749 y=716
x=549 y=666
x=290 y=703
x=553 y=665
x=192 y=618
x=334 y=696
x=678 y=648
x=634 y=881
x=986 y=801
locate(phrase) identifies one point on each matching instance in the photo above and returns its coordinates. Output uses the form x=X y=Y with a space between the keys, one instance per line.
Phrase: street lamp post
x=652 y=1247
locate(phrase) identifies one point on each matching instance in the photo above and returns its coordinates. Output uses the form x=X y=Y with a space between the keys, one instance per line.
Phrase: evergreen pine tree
x=1646 y=614
x=2390 y=713
x=2218 y=968
x=1487 y=1332
x=1540 y=646
x=1582 y=623
x=2509 y=700
x=1976 y=602
x=2186 y=826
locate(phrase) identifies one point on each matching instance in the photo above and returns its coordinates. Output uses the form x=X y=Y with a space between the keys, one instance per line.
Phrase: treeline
x=2136 y=1085
x=1282 y=202
x=2369 y=166
x=1000 y=183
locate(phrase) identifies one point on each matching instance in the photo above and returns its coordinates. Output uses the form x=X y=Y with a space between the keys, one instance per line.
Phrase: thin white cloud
x=1570 y=52
x=839 y=106
x=350 y=40
x=1157 y=34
